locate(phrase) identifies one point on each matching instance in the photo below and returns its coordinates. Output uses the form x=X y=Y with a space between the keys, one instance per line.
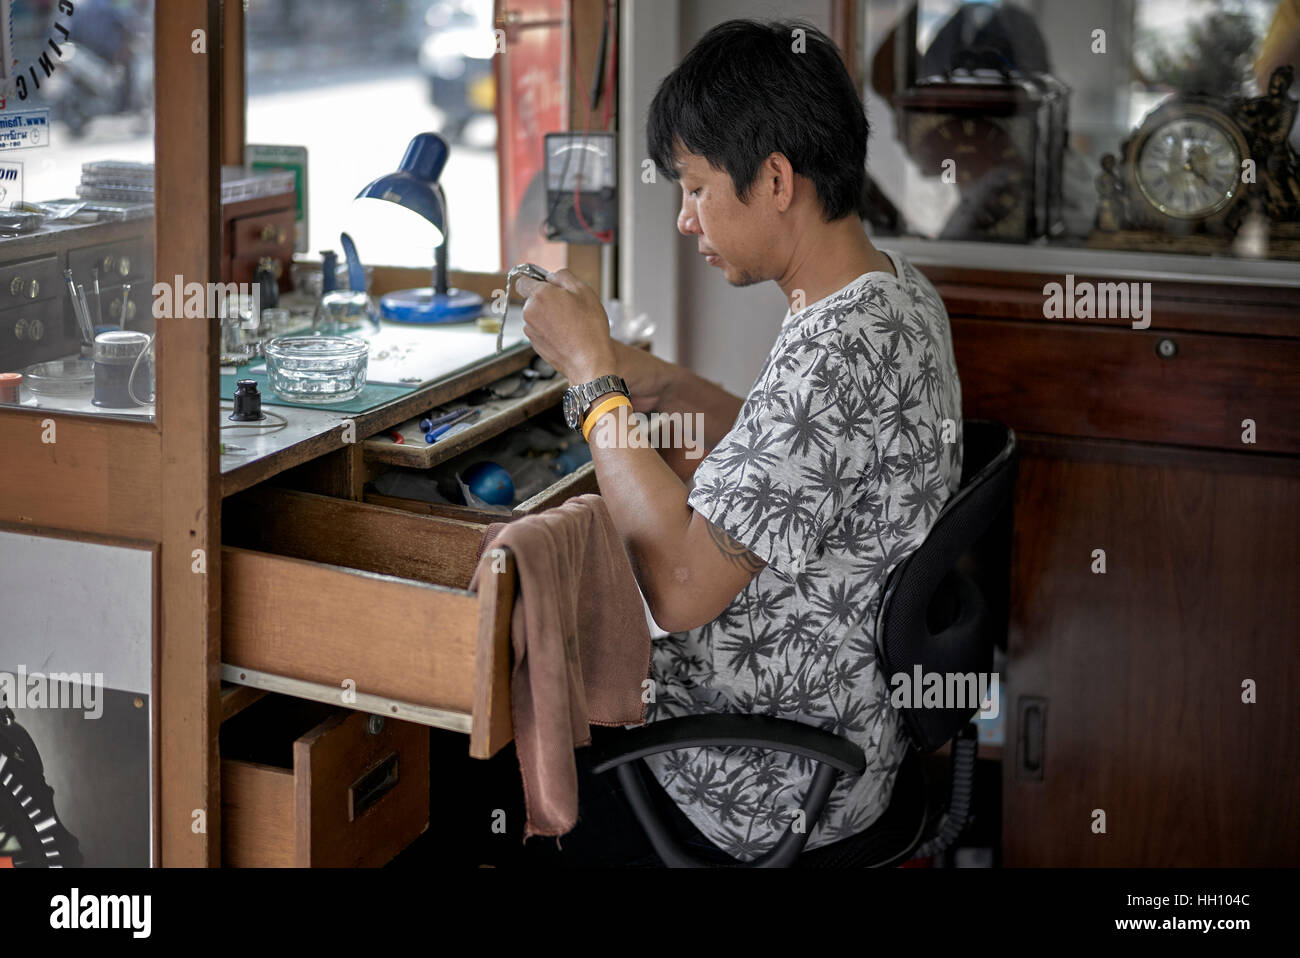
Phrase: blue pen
x=439 y=431
x=427 y=423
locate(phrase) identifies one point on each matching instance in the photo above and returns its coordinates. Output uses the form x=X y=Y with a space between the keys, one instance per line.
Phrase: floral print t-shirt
x=845 y=450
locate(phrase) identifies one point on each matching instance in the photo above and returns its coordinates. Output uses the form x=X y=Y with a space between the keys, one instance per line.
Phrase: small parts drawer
x=31 y=280
x=264 y=234
x=125 y=261
x=311 y=785
x=1191 y=389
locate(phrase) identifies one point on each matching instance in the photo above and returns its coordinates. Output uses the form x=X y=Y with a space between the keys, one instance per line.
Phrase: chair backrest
x=928 y=577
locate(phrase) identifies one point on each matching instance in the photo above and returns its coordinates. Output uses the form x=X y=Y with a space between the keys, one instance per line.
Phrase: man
x=769 y=569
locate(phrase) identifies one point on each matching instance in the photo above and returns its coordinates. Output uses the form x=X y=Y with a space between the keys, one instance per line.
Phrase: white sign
x=23 y=130
x=11 y=183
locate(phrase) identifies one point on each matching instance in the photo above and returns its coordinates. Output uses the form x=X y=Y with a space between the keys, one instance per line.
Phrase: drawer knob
x=20 y=329
x=16 y=286
x=107 y=264
x=33 y=289
x=36 y=330
x=1166 y=348
x=124 y=266
x=375 y=724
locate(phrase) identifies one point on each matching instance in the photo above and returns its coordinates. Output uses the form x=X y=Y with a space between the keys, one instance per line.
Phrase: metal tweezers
x=523 y=269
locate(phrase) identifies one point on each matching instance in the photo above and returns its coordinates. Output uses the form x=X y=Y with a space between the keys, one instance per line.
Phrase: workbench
x=335 y=594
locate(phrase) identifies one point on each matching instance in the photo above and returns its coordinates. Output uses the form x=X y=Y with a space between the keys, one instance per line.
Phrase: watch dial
x=1188 y=168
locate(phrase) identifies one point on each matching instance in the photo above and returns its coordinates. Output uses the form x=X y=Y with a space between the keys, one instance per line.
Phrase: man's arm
x=688 y=571
x=688 y=568
x=660 y=386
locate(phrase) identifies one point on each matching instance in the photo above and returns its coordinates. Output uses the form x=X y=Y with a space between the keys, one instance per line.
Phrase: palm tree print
x=833 y=472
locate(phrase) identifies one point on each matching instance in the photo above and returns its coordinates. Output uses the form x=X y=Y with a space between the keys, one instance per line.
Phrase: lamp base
x=423 y=306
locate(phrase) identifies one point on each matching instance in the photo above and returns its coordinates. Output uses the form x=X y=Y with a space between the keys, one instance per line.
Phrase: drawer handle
x=371 y=787
x=1166 y=348
x=1033 y=733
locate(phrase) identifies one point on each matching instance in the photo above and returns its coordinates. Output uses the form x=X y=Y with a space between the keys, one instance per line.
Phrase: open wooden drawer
x=368 y=607
x=308 y=785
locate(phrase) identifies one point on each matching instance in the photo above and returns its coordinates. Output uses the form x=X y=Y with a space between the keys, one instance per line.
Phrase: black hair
x=744 y=92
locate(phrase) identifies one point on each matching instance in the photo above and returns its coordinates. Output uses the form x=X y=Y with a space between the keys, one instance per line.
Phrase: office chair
x=931 y=614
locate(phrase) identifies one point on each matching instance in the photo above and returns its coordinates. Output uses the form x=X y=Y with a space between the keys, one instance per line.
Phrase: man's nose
x=687 y=223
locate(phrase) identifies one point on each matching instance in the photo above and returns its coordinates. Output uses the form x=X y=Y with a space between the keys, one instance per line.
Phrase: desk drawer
x=579 y=482
x=1191 y=389
x=526 y=440
x=356 y=597
x=309 y=785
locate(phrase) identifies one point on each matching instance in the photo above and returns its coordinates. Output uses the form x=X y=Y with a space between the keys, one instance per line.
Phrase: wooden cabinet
x=258 y=229
x=351 y=597
x=1162 y=692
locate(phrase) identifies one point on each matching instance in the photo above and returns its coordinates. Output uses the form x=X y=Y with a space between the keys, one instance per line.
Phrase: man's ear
x=780 y=176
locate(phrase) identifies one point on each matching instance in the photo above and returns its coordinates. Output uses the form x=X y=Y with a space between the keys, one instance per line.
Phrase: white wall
x=721 y=332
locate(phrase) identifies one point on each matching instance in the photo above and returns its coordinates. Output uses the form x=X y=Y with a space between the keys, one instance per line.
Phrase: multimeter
x=585 y=163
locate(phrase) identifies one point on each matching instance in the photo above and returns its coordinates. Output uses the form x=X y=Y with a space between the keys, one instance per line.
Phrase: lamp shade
x=413 y=186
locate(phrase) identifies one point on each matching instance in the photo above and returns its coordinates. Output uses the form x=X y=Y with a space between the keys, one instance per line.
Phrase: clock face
x=1189 y=167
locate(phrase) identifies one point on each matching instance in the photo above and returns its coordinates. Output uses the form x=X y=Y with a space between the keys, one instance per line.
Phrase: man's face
x=737 y=235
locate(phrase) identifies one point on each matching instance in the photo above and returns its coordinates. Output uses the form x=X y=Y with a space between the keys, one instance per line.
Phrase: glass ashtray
x=317 y=369
x=66 y=378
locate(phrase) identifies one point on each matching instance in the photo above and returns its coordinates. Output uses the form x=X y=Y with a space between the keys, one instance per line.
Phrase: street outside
x=355 y=123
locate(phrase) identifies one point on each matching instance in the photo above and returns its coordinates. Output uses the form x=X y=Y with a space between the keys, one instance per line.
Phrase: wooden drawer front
x=354 y=796
x=30 y=280
x=1112 y=384
x=265 y=234
x=34 y=332
x=349 y=595
x=125 y=261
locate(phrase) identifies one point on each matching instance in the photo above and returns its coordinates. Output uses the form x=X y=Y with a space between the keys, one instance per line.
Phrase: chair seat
x=893 y=837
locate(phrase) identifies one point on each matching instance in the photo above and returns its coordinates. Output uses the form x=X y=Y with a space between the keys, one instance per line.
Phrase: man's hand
x=567 y=326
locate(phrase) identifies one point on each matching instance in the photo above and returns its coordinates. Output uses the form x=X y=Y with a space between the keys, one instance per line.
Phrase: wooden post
x=187 y=124
x=233 y=113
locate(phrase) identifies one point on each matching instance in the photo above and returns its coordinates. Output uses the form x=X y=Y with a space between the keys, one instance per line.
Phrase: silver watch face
x=571 y=410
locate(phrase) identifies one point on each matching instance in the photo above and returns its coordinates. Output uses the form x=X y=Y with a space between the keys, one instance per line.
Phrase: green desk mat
x=374 y=394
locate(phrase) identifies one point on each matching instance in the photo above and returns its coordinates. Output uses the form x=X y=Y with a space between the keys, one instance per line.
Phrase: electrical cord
x=280 y=423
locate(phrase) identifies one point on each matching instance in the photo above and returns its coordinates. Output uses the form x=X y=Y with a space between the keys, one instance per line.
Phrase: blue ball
x=490 y=483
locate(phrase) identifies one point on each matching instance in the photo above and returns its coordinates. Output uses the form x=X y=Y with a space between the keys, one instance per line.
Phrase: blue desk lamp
x=415 y=187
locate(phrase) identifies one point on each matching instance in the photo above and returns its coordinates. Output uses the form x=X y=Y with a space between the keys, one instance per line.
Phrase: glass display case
x=1049 y=134
x=77 y=207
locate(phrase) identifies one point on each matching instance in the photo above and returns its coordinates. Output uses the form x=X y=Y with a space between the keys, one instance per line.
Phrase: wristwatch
x=577 y=399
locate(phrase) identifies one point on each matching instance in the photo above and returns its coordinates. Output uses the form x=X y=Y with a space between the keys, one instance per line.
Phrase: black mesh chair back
x=932 y=616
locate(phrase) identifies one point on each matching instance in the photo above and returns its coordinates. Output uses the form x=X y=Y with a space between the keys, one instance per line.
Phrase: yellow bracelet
x=613 y=402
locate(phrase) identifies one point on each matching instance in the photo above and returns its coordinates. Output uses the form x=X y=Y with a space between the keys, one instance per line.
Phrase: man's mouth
x=710 y=258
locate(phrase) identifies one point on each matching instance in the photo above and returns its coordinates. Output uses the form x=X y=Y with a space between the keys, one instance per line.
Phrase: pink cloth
x=581 y=647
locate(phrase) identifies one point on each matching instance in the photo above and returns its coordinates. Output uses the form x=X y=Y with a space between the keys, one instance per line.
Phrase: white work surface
x=405 y=355
x=433 y=353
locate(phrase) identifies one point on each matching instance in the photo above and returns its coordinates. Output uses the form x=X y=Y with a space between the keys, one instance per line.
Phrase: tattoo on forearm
x=736 y=553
